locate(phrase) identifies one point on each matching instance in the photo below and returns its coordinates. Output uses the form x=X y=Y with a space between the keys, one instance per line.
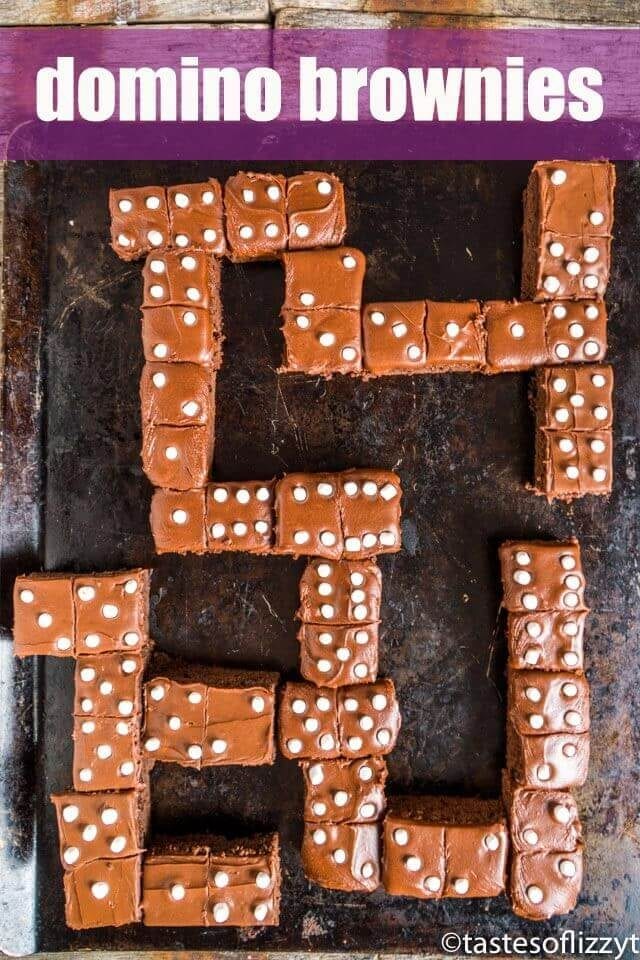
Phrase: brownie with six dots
x=540 y=575
x=240 y=516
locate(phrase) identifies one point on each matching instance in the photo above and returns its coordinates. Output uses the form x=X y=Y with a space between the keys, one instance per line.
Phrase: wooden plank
x=67 y=12
x=297 y=18
x=351 y=5
x=581 y=11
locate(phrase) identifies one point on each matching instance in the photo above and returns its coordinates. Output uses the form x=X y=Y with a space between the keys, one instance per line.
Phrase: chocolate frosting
x=196 y=216
x=182 y=334
x=103 y=893
x=344 y=791
x=395 y=338
x=368 y=719
x=308 y=515
x=111 y=611
x=139 y=221
x=542 y=575
x=255 y=216
x=308 y=722
x=316 y=214
x=342 y=856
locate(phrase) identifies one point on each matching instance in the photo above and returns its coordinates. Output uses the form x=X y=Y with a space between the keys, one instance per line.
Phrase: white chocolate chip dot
x=530 y=601
x=246 y=232
x=123 y=240
x=561 y=813
x=349 y=354
x=452 y=329
x=558 y=176
x=533 y=629
x=323 y=704
x=556 y=249
x=307 y=299
x=118 y=844
x=155 y=238
x=272 y=230
x=349 y=262
x=221 y=912
x=303 y=322
x=432 y=884
x=414 y=352
x=354 y=743
x=152 y=202
x=517 y=331
x=327 y=742
x=248 y=195
x=559 y=311
x=570 y=659
x=399 y=330
x=567 y=868
x=177 y=891
x=302 y=231
x=531 y=837
x=401 y=836
x=273 y=192
x=71 y=855
x=591 y=312
x=367 y=810
x=324 y=187
x=377 y=317
x=294 y=745
x=110 y=611
x=572 y=473
x=412 y=863
x=590 y=281
x=534 y=893
x=551 y=284
x=316 y=774
x=576 y=330
x=365 y=773
x=492 y=842
x=257 y=704
x=572 y=718
x=572 y=267
x=44 y=620
x=100 y=890
x=319 y=808
x=180 y=517
x=523 y=577
x=219 y=746
x=533 y=694
x=591 y=348
x=311 y=725
x=70 y=812
x=327 y=339
x=461 y=886
x=596 y=218
x=536 y=721
x=559 y=384
x=125 y=206
x=319 y=837
x=175 y=723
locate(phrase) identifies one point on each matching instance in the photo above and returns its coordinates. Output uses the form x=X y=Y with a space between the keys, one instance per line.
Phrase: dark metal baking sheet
x=74 y=497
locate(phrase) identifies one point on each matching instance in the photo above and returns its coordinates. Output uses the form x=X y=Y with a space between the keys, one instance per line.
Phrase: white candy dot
x=349 y=262
x=531 y=837
x=558 y=176
x=125 y=206
x=567 y=868
x=152 y=744
x=596 y=218
x=273 y=192
x=219 y=746
x=349 y=354
x=316 y=774
x=319 y=837
x=302 y=231
x=533 y=629
x=412 y=863
x=118 y=844
x=401 y=836
x=324 y=187
x=177 y=891
x=248 y=196
x=245 y=232
x=327 y=339
x=294 y=745
x=303 y=322
x=562 y=351
x=45 y=620
x=517 y=331
x=559 y=311
x=159 y=380
x=551 y=284
x=377 y=317
x=123 y=240
x=71 y=855
x=180 y=517
x=221 y=912
x=100 y=890
x=591 y=348
x=572 y=267
x=572 y=472
x=152 y=202
x=556 y=249
x=461 y=885
x=307 y=299
x=432 y=884
x=591 y=281
x=535 y=894
x=561 y=414
x=529 y=601
x=576 y=330
x=452 y=329
x=155 y=238
x=600 y=413
x=566 y=445
x=561 y=813
x=272 y=230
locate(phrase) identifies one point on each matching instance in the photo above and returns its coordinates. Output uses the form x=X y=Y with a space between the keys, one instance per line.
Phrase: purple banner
x=134 y=93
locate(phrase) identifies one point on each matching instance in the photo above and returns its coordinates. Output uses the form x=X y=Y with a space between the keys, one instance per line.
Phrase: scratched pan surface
x=75 y=498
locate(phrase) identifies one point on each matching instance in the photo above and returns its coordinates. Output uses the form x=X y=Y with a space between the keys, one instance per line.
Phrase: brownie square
x=139 y=221
x=516 y=335
x=342 y=856
x=543 y=820
x=370 y=510
x=106 y=754
x=108 y=685
x=308 y=518
x=308 y=722
x=542 y=702
x=542 y=575
x=111 y=611
x=178 y=394
x=178 y=521
x=254 y=206
x=103 y=893
x=344 y=791
x=555 y=762
x=240 y=516
x=316 y=213
x=196 y=216
x=100 y=826
x=368 y=719
x=414 y=863
x=394 y=338
x=571 y=463
x=190 y=279
x=179 y=334
x=43 y=616
x=244 y=882
x=576 y=331
x=549 y=640
x=544 y=885
x=177 y=458
x=456 y=340
x=335 y=655
x=324 y=279
x=574 y=398
x=175 y=884
x=322 y=342
x=343 y=592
